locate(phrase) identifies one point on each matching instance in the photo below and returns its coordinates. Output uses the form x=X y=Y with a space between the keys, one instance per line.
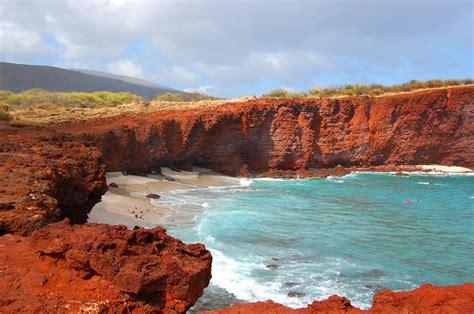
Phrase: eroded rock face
x=271 y=135
x=426 y=299
x=72 y=268
x=45 y=179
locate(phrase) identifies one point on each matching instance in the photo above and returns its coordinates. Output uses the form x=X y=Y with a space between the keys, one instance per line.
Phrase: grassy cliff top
x=39 y=106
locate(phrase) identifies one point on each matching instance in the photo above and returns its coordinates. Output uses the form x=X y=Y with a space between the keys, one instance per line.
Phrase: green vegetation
x=283 y=93
x=44 y=99
x=5 y=116
x=371 y=90
x=184 y=97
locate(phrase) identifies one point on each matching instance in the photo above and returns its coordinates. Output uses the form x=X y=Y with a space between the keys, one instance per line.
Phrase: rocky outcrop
x=98 y=268
x=295 y=135
x=426 y=299
x=45 y=179
x=58 y=171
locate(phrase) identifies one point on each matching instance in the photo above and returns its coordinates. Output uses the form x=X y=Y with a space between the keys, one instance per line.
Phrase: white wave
x=431 y=183
x=334 y=179
x=206 y=204
x=438 y=173
x=236 y=277
x=138 y=194
x=245 y=181
x=271 y=179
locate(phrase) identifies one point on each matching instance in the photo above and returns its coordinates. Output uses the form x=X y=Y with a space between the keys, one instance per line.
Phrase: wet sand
x=128 y=205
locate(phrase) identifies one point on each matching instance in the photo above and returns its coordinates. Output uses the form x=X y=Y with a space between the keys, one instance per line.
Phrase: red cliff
x=57 y=171
x=257 y=136
x=45 y=179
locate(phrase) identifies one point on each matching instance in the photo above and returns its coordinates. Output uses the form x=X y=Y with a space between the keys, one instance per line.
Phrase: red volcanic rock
x=426 y=299
x=294 y=135
x=100 y=268
x=47 y=178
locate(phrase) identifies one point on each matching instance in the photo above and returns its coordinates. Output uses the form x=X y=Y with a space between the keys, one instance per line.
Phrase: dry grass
x=56 y=114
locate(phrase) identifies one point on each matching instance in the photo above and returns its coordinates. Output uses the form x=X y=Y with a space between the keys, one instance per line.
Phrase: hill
x=128 y=79
x=20 y=77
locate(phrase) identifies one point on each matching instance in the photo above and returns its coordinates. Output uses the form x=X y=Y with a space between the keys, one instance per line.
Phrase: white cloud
x=181 y=75
x=201 y=89
x=126 y=67
x=234 y=43
x=16 y=42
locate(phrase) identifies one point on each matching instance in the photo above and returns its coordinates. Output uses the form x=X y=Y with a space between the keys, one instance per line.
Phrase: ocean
x=294 y=241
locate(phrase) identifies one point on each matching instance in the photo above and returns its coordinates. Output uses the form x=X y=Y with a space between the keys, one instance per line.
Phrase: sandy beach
x=129 y=205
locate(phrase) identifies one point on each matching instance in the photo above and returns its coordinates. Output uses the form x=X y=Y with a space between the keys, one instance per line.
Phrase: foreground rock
x=426 y=299
x=45 y=179
x=97 y=268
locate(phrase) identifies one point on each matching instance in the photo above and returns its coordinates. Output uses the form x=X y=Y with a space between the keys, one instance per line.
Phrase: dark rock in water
x=276 y=259
x=273 y=266
x=214 y=298
x=375 y=288
x=376 y=273
x=289 y=284
x=113 y=185
x=152 y=195
x=168 y=178
x=296 y=294
x=401 y=174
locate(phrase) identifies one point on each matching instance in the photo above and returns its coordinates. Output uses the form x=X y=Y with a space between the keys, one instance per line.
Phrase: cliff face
x=426 y=299
x=64 y=268
x=54 y=172
x=45 y=179
x=434 y=126
x=97 y=268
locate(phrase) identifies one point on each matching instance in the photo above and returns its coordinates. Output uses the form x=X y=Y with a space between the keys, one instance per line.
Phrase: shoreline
x=128 y=204
x=132 y=191
x=340 y=171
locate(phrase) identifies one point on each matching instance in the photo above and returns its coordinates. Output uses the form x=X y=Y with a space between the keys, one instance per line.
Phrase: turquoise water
x=350 y=236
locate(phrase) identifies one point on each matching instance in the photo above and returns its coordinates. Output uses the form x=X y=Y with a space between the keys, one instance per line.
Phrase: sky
x=239 y=47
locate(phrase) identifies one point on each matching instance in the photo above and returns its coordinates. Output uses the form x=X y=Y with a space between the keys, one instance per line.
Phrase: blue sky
x=237 y=48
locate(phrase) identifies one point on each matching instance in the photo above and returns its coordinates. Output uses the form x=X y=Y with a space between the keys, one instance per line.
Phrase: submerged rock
x=152 y=195
x=296 y=294
x=113 y=185
x=289 y=284
x=273 y=266
x=402 y=174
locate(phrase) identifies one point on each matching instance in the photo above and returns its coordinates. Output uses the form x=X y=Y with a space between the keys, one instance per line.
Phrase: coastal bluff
x=266 y=135
x=57 y=171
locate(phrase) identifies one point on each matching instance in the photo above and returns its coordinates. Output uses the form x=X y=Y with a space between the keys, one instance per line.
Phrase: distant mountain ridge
x=20 y=77
x=128 y=79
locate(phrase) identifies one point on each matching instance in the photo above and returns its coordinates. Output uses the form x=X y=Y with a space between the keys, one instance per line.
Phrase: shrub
x=5 y=116
x=184 y=97
x=283 y=93
x=38 y=97
x=375 y=89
